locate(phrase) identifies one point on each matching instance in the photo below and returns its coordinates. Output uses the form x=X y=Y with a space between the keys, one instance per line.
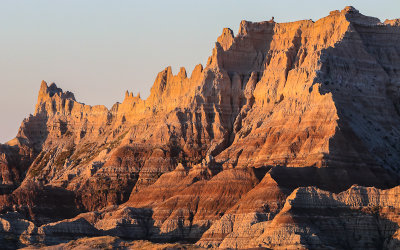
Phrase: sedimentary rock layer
x=256 y=148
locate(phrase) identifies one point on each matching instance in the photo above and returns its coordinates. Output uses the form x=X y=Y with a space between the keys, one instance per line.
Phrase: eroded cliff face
x=358 y=218
x=227 y=156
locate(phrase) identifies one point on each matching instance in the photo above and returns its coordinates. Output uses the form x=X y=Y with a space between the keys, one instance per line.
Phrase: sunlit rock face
x=267 y=145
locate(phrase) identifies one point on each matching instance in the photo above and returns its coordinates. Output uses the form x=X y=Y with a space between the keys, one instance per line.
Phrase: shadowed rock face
x=225 y=157
x=359 y=218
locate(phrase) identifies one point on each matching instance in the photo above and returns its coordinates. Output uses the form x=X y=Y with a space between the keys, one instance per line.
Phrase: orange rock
x=314 y=103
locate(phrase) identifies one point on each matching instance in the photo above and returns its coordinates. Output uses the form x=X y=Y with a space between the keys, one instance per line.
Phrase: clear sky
x=98 y=49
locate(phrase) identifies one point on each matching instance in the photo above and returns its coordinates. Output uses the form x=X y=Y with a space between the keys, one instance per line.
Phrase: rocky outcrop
x=362 y=218
x=359 y=218
x=251 y=150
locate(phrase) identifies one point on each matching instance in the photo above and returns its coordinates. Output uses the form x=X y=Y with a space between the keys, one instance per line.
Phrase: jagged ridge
x=277 y=107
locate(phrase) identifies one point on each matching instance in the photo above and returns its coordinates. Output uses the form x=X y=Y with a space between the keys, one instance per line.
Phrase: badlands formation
x=289 y=138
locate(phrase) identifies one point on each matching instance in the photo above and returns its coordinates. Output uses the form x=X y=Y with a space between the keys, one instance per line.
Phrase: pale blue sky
x=98 y=49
